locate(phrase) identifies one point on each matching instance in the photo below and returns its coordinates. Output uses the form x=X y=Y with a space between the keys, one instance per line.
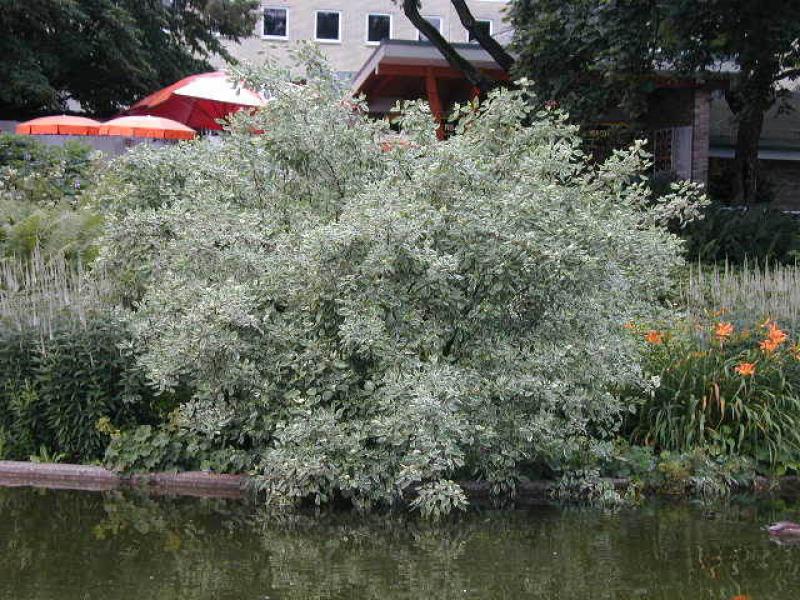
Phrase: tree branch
x=487 y=42
x=473 y=75
x=788 y=74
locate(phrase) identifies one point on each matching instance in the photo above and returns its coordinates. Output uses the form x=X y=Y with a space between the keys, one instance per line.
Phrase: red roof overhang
x=400 y=70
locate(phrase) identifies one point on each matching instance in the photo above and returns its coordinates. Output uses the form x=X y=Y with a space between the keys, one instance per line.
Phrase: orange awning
x=148 y=126
x=59 y=125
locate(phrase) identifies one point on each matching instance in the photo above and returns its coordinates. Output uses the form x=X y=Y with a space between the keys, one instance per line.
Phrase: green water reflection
x=72 y=545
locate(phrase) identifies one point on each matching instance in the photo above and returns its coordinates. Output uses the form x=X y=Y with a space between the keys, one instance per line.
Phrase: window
x=661 y=148
x=484 y=26
x=328 y=27
x=436 y=22
x=275 y=20
x=379 y=27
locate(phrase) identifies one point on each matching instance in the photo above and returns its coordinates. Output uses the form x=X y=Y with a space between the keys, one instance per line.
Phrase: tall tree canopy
x=592 y=54
x=107 y=53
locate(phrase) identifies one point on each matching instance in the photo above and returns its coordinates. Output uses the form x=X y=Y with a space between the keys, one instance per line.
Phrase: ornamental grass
x=736 y=293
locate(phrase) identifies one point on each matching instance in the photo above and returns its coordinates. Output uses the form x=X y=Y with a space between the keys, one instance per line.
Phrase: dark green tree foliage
x=107 y=53
x=592 y=54
x=588 y=55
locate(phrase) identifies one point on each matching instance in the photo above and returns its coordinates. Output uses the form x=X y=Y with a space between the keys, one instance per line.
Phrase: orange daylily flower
x=746 y=369
x=776 y=334
x=629 y=325
x=723 y=330
x=774 y=339
x=768 y=345
x=654 y=337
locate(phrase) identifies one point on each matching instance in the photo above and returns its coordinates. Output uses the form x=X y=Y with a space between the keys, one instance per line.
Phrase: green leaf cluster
x=54 y=389
x=42 y=199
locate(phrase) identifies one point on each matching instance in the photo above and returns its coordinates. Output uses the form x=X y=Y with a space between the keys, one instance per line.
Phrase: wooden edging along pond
x=93 y=478
x=217 y=485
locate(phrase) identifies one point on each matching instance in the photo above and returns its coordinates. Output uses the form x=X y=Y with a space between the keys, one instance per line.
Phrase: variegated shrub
x=360 y=314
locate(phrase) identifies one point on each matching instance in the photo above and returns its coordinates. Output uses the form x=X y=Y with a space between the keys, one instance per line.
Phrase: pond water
x=77 y=545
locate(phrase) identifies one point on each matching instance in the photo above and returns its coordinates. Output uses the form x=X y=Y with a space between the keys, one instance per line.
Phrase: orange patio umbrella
x=148 y=126
x=59 y=125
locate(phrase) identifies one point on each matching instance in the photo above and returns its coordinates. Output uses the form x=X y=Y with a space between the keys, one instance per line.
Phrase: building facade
x=778 y=151
x=348 y=31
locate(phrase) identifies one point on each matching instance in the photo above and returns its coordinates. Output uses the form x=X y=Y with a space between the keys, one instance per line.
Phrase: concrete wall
x=352 y=51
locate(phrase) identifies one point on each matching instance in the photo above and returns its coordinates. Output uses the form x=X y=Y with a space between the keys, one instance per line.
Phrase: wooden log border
x=217 y=485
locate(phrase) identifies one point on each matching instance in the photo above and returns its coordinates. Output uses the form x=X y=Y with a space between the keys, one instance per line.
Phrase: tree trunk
x=746 y=167
x=751 y=95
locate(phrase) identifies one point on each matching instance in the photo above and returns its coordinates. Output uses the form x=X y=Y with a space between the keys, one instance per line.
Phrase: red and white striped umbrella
x=199 y=101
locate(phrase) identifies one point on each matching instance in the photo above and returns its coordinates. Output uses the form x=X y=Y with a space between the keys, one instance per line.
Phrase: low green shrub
x=54 y=390
x=69 y=232
x=170 y=446
x=65 y=365
x=734 y=234
x=696 y=472
x=44 y=174
x=730 y=391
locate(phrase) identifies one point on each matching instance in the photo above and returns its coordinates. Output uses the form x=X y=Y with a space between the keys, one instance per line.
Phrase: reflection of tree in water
x=91 y=546
x=86 y=545
x=675 y=552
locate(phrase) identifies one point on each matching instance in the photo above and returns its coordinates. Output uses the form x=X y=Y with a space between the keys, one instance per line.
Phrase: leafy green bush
x=42 y=199
x=65 y=365
x=737 y=233
x=54 y=390
x=69 y=232
x=691 y=473
x=733 y=392
x=357 y=319
x=44 y=174
x=172 y=447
